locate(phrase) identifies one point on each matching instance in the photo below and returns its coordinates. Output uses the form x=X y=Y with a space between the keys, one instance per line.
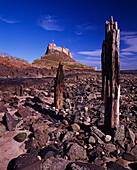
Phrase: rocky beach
x=68 y=85
x=35 y=135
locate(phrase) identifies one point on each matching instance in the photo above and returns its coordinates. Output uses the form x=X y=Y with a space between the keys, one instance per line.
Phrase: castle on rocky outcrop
x=52 y=47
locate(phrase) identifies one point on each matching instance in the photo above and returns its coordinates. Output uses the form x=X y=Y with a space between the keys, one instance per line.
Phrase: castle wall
x=52 y=46
x=65 y=50
x=69 y=53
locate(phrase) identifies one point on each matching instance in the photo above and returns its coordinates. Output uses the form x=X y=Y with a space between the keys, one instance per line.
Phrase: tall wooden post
x=111 y=75
x=58 y=87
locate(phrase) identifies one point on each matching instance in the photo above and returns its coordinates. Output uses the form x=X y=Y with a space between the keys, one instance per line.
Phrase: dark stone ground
x=73 y=138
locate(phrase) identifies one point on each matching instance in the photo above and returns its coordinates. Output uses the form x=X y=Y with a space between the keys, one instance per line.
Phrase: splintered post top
x=112 y=23
x=116 y=25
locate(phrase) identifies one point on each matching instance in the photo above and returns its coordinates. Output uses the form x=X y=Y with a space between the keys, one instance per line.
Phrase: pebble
x=107 y=138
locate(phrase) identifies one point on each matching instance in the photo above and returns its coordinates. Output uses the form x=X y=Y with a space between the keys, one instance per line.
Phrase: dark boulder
x=24 y=112
x=55 y=164
x=83 y=166
x=26 y=161
x=11 y=122
x=77 y=152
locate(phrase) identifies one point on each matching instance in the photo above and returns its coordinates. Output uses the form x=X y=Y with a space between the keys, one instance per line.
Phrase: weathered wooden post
x=58 y=87
x=21 y=90
x=111 y=75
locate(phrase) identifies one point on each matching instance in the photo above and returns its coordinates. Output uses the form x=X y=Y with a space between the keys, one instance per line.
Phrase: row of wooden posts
x=110 y=77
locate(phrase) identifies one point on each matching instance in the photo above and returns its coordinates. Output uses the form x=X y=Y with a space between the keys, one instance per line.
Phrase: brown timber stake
x=111 y=75
x=58 y=87
x=21 y=90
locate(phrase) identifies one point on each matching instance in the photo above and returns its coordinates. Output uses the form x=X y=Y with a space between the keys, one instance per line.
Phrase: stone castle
x=53 y=47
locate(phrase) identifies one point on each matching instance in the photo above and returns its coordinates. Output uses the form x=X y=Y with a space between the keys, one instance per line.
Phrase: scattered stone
x=129 y=157
x=75 y=127
x=77 y=152
x=55 y=163
x=32 y=92
x=2 y=107
x=41 y=137
x=123 y=163
x=26 y=161
x=98 y=161
x=65 y=122
x=132 y=136
x=36 y=99
x=31 y=143
x=86 y=123
x=110 y=147
x=97 y=131
x=109 y=159
x=114 y=165
x=116 y=153
x=34 y=151
x=68 y=136
x=24 y=112
x=48 y=152
x=11 y=122
x=134 y=150
x=95 y=153
x=83 y=166
x=120 y=133
x=2 y=129
x=92 y=140
x=91 y=96
x=99 y=140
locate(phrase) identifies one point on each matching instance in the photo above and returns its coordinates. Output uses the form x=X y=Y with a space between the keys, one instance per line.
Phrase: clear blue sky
x=27 y=26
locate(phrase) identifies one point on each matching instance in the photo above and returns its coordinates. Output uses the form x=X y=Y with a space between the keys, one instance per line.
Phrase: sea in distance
x=128 y=71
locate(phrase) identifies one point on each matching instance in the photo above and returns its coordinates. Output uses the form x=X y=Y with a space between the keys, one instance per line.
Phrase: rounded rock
x=92 y=139
x=107 y=138
x=75 y=127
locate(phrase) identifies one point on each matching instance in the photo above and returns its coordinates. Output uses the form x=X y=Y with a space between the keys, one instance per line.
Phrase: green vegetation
x=51 y=58
x=45 y=63
x=20 y=137
x=75 y=65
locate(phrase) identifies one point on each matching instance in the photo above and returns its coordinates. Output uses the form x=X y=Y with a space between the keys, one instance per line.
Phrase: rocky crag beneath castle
x=54 y=55
x=59 y=54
